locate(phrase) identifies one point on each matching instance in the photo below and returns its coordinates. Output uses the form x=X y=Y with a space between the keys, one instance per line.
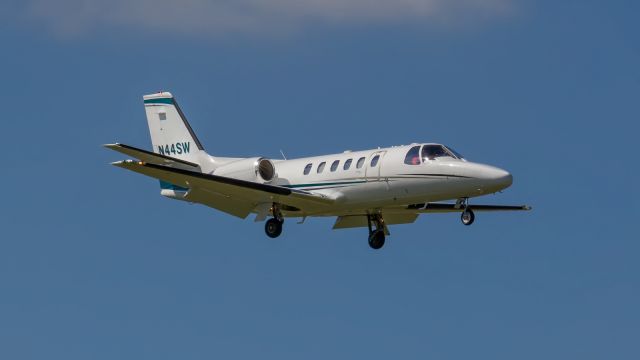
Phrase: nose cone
x=500 y=178
x=486 y=178
x=505 y=179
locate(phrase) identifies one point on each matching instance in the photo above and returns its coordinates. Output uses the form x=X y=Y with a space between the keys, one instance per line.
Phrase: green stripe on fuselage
x=323 y=184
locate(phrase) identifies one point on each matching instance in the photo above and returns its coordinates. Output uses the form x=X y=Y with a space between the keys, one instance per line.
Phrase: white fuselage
x=372 y=188
x=389 y=182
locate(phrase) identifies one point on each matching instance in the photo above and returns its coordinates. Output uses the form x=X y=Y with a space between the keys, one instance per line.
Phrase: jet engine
x=253 y=169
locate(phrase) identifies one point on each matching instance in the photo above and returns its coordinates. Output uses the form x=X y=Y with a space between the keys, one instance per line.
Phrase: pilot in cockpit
x=429 y=152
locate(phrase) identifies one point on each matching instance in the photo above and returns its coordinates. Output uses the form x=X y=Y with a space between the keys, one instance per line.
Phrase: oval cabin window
x=334 y=165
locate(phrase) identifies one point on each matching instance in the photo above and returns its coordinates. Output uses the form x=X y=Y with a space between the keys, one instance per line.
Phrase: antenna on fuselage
x=282 y=153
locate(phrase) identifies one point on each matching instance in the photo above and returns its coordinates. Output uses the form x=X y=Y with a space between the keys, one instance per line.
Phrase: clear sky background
x=95 y=264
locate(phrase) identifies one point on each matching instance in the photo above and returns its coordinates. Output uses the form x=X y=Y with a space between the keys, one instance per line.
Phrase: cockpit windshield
x=430 y=152
x=433 y=151
x=457 y=154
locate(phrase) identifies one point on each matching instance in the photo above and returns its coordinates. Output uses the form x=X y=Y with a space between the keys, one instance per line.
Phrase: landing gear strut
x=376 y=235
x=273 y=226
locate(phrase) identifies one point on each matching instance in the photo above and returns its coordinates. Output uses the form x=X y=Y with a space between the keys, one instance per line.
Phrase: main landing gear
x=376 y=231
x=273 y=226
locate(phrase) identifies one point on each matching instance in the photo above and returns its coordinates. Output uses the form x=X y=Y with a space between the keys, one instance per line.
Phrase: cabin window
x=360 y=162
x=374 y=161
x=334 y=165
x=413 y=156
x=321 y=167
x=307 y=169
x=347 y=164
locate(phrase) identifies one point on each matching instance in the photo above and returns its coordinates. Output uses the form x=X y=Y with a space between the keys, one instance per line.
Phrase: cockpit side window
x=413 y=156
x=430 y=152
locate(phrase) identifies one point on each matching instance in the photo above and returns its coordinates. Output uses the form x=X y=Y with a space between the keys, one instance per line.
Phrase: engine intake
x=266 y=170
x=253 y=169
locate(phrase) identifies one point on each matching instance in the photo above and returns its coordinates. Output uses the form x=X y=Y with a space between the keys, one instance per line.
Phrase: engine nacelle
x=253 y=169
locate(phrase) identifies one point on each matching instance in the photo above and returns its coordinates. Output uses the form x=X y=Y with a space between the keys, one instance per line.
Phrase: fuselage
x=372 y=188
x=394 y=176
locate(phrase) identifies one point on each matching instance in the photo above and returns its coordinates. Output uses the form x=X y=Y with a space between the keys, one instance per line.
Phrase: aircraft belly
x=370 y=193
x=397 y=192
x=410 y=190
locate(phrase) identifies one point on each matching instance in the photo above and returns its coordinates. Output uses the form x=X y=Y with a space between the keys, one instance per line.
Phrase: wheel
x=376 y=239
x=273 y=228
x=467 y=217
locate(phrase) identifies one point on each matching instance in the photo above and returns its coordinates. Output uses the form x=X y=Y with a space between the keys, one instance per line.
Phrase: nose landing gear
x=467 y=216
x=377 y=234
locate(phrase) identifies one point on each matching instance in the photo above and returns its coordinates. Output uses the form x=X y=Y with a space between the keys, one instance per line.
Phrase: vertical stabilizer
x=170 y=131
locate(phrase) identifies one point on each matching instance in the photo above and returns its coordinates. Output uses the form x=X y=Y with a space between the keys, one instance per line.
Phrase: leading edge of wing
x=189 y=179
x=441 y=207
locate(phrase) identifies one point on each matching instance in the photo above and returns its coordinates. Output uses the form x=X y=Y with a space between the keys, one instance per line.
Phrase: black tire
x=467 y=217
x=273 y=228
x=376 y=239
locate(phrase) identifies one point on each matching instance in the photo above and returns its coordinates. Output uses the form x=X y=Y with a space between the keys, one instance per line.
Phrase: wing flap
x=352 y=221
x=231 y=206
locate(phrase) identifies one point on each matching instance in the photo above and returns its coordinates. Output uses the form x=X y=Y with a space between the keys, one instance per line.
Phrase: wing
x=409 y=214
x=213 y=189
x=442 y=208
x=150 y=157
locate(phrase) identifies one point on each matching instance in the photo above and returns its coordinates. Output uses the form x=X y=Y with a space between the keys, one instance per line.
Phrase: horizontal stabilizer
x=150 y=157
x=229 y=188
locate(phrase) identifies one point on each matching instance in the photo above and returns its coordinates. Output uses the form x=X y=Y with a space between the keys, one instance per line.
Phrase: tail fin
x=171 y=134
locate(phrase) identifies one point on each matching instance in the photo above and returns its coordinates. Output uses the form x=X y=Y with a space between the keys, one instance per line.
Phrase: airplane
x=370 y=188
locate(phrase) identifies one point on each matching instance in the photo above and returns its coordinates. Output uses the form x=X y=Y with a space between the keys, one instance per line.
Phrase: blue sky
x=95 y=264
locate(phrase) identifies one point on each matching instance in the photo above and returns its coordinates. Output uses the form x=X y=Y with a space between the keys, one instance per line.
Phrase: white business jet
x=371 y=188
